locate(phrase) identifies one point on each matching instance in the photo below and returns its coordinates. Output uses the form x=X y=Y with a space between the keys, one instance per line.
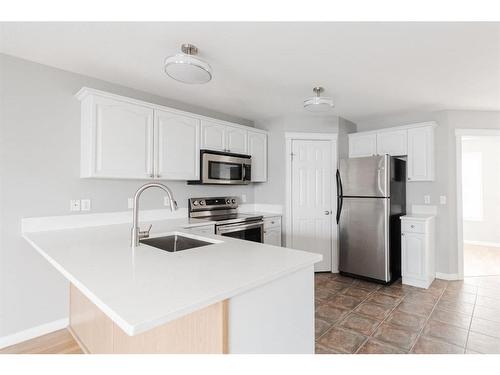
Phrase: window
x=472 y=186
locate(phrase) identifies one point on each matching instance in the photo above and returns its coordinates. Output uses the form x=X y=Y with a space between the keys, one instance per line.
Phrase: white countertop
x=147 y=287
x=418 y=217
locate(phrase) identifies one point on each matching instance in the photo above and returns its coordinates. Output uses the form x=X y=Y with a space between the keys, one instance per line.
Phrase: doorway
x=311 y=191
x=479 y=192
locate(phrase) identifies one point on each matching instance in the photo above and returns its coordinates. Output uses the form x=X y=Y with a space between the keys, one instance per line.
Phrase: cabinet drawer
x=412 y=227
x=272 y=222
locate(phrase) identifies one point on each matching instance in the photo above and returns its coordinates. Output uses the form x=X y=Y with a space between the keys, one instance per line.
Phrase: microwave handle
x=244 y=170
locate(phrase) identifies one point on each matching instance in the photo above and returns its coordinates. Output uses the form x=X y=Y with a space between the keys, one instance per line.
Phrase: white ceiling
x=263 y=70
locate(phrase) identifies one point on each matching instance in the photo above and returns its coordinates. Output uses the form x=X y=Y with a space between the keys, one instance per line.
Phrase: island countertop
x=142 y=288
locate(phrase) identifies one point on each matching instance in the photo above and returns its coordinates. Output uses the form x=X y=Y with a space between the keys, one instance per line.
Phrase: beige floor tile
x=423 y=309
x=487 y=313
x=396 y=336
x=341 y=340
x=372 y=346
x=486 y=327
x=335 y=286
x=462 y=286
x=452 y=317
x=402 y=319
x=373 y=310
x=458 y=296
x=321 y=326
x=344 y=301
x=483 y=343
x=481 y=260
x=421 y=297
x=457 y=306
x=320 y=349
x=446 y=332
x=323 y=294
x=384 y=299
x=426 y=345
x=493 y=303
x=360 y=323
x=357 y=292
x=330 y=313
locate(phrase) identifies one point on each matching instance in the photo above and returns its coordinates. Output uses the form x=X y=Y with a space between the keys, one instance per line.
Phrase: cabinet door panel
x=421 y=154
x=236 y=140
x=272 y=236
x=257 y=149
x=123 y=139
x=413 y=248
x=213 y=136
x=361 y=145
x=177 y=146
x=392 y=142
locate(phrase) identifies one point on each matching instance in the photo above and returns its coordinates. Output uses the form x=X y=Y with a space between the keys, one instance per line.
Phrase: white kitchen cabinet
x=236 y=140
x=272 y=231
x=417 y=250
x=177 y=146
x=257 y=149
x=392 y=142
x=213 y=135
x=361 y=145
x=420 y=162
x=116 y=138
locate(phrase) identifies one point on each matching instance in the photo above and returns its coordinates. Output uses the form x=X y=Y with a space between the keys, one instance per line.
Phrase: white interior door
x=311 y=199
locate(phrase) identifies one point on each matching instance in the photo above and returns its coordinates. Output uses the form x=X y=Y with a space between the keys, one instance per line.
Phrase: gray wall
x=39 y=161
x=445 y=182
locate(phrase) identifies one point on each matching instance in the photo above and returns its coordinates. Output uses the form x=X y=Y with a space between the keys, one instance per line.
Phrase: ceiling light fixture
x=318 y=103
x=186 y=67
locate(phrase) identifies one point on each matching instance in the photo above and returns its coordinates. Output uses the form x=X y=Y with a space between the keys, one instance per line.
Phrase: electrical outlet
x=85 y=204
x=442 y=199
x=427 y=199
x=243 y=198
x=74 y=205
x=130 y=203
x=166 y=201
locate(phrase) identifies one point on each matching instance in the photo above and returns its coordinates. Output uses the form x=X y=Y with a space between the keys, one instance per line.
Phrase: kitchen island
x=230 y=296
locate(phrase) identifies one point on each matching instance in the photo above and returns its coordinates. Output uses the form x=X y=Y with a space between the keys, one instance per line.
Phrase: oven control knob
x=228 y=201
x=195 y=203
x=202 y=203
x=233 y=201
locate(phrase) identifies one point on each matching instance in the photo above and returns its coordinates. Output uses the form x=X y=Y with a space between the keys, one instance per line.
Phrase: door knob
x=327 y=212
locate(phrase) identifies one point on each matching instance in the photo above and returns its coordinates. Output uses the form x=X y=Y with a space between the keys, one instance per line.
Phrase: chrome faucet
x=137 y=234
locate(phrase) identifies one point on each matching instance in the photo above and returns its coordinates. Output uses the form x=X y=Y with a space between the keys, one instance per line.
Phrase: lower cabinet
x=417 y=246
x=272 y=231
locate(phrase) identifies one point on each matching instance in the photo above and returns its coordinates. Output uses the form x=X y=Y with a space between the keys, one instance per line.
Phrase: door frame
x=289 y=138
x=459 y=135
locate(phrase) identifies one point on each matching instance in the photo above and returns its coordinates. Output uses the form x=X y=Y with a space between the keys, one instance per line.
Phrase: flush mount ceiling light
x=318 y=103
x=186 y=67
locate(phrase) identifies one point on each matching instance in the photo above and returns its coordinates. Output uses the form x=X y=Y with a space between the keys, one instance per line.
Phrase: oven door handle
x=238 y=227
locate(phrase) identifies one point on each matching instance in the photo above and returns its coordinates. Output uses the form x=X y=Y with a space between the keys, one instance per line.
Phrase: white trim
x=482 y=243
x=275 y=209
x=459 y=134
x=289 y=137
x=311 y=136
x=40 y=224
x=33 y=332
x=448 y=276
x=400 y=127
x=86 y=91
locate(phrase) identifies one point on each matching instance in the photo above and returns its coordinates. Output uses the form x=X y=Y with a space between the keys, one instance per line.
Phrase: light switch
x=130 y=203
x=85 y=204
x=74 y=205
x=427 y=199
x=442 y=199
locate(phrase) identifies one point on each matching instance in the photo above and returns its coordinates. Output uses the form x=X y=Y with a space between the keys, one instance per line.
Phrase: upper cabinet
x=415 y=141
x=219 y=137
x=116 y=139
x=361 y=145
x=127 y=138
x=177 y=155
x=257 y=149
x=392 y=142
x=420 y=163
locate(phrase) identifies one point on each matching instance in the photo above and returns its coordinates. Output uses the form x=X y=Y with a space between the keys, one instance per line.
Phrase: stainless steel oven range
x=230 y=223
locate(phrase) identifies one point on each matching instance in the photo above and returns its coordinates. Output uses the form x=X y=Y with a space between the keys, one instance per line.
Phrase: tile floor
x=481 y=260
x=355 y=316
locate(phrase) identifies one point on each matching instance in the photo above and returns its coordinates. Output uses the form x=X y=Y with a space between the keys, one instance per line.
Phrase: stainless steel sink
x=174 y=243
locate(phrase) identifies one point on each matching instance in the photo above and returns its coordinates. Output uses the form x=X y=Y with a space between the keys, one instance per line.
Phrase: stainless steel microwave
x=223 y=168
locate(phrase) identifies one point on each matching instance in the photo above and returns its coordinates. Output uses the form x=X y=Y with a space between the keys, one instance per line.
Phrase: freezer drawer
x=364 y=177
x=364 y=237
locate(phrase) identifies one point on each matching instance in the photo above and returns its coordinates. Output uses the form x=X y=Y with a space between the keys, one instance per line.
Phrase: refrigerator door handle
x=339 y=195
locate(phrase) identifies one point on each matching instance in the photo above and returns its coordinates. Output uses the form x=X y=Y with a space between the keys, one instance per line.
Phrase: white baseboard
x=482 y=243
x=447 y=276
x=31 y=333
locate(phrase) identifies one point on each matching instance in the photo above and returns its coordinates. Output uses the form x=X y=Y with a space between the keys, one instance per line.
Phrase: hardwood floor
x=58 y=342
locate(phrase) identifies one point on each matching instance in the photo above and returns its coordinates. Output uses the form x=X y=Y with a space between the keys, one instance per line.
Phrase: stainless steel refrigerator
x=371 y=198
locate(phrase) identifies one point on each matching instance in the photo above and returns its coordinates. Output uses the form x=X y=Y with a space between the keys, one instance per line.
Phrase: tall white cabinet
x=415 y=141
x=130 y=139
x=417 y=250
